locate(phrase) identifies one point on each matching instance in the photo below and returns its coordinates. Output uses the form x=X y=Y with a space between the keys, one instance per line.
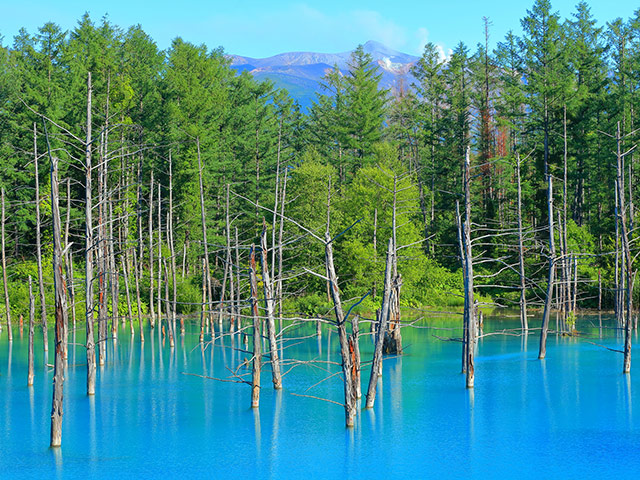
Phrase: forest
x=501 y=178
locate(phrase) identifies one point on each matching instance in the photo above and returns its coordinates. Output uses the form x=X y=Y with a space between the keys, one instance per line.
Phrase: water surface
x=570 y=415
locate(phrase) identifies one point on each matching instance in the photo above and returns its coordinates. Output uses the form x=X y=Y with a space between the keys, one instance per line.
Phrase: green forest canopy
x=551 y=95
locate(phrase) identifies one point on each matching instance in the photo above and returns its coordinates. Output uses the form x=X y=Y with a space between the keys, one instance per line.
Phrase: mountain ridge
x=301 y=72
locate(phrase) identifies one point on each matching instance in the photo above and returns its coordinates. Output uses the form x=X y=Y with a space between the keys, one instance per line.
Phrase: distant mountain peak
x=301 y=72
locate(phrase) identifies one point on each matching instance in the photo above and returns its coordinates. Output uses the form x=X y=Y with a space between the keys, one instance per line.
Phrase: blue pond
x=568 y=416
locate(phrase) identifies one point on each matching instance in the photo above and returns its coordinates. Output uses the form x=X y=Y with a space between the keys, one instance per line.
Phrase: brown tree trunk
x=269 y=307
x=347 y=367
x=60 y=312
x=257 y=336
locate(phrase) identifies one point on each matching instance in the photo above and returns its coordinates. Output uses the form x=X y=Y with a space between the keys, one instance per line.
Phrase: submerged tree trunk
x=4 y=277
x=257 y=336
x=269 y=307
x=524 y=323
x=552 y=267
x=60 y=312
x=347 y=366
x=469 y=300
x=32 y=318
x=622 y=214
x=152 y=310
x=382 y=326
x=43 y=305
x=91 y=349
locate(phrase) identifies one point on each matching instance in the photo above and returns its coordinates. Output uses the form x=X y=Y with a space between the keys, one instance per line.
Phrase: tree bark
x=552 y=267
x=257 y=336
x=382 y=326
x=347 y=367
x=91 y=349
x=43 y=305
x=469 y=300
x=4 y=276
x=60 y=312
x=269 y=307
x=32 y=317
x=152 y=310
x=524 y=323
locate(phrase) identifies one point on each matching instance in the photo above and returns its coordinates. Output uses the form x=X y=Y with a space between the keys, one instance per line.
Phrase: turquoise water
x=570 y=415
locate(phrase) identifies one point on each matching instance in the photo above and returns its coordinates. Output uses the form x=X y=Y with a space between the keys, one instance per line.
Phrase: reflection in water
x=275 y=431
x=576 y=397
x=627 y=380
x=257 y=432
x=57 y=457
x=93 y=440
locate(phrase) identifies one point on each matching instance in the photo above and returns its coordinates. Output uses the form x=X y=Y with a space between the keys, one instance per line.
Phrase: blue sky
x=267 y=27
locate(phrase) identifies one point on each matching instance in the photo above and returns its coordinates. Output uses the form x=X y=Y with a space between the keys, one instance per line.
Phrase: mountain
x=301 y=72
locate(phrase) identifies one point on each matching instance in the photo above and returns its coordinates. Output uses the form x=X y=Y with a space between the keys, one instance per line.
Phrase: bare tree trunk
x=269 y=302
x=238 y=306
x=203 y=220
x=101 y=258
x=462 y=253
x=230 y=266
x=159 y=253
x=524 y=323
x=375 y=247
x=91 y=349
x=138 y=302
x=4 y=277
x=203 y=313
x=60 y=312
x=257 y=336
x=43 y=305
x=552 y=267
x=382 y=326
x=32 y=317
x=469 y=301
x=279 y=292
x=152 y=312
x=354 y=348
x=115 y=277
x=125 y=272
x=168 y=306
x=626 y=252
x=172 y=248
x=69 y=257
x=347 y=367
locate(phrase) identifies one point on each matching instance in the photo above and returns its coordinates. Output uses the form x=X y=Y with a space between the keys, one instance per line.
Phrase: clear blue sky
x=260 y=28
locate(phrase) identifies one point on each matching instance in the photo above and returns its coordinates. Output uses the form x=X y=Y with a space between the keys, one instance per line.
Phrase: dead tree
x=552 y=268
x=203 y=220
x=32 y=318
x=269 y=307
x=257 y=336
x=392 y=338
x=172 y=248
x=69 y=258
x=347 y=366
x=60 y=311
x=43 y=305
x=4 y=277
x=626 y=253
x=376 y=365
x=469 y=301
x=524 y=324
x=152 y=313
x=89 y=246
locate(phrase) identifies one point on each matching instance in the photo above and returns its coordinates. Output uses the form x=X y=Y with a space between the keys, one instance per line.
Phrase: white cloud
x=300 y=26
